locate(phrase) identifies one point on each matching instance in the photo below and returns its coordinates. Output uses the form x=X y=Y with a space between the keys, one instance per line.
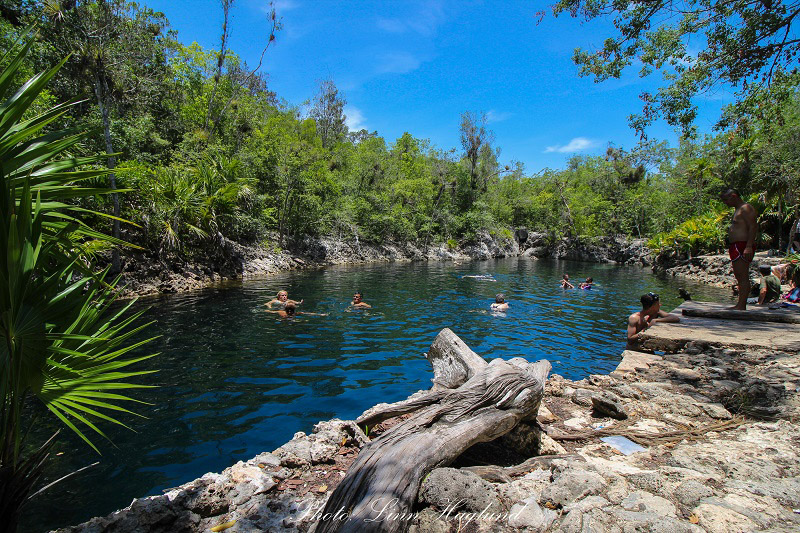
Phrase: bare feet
x=737 y=308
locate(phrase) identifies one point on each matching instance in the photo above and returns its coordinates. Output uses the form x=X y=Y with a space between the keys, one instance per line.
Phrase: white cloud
x=354 y=118
x=578 y=144
x=284 y=5
x=493 y=116
x=398 y=63
x=424 y=20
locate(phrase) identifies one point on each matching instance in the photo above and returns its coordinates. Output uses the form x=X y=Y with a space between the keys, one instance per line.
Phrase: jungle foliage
x=208 y=153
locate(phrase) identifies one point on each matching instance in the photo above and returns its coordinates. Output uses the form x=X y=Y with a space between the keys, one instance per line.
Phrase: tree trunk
x=380 y=488
x=101 y=91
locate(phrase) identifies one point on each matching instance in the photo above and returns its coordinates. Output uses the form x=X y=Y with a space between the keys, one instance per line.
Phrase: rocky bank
x=711 y=269
x=143 y=274
x=718 y=434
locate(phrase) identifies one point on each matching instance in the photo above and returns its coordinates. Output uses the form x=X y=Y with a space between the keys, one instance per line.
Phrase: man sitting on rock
x=770 y=286
x=650 y=314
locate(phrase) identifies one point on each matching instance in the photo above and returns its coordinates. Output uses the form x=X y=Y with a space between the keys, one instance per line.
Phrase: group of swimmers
x=500 y=303
x=565 y=283
x=286 y=308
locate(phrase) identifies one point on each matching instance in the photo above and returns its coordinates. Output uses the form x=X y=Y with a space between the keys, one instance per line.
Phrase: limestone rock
x=691 y=491
x=645 y=502
x=607 y=404
x=582 y=397
x=529 y=514
x=573 y=485
x=718 y=519
x=547 y=446
x=447 y=488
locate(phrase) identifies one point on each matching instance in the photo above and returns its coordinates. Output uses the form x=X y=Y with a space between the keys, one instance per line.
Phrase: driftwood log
x=753 y=315
x=471 y=402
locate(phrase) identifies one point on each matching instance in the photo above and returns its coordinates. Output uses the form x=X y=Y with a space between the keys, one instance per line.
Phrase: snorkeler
x=358 y=302
x=500 y=303
x=281 y=300
x=565 y=284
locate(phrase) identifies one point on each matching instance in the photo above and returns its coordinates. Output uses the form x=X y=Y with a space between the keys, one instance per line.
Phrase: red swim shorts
x=736 y=250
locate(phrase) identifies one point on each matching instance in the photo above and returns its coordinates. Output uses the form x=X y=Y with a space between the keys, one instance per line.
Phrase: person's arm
x=663 y=316
x=295 y=302
x=749 y=215
x=632 y=323
x=762 y=295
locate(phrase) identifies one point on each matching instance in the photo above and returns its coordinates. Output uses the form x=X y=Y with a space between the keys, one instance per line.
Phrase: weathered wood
x=452 y=360
x=752 y=315
x=500 y=474
x=381 y=486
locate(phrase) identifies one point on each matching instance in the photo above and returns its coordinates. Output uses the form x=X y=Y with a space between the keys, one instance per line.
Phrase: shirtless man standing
x=741 y=239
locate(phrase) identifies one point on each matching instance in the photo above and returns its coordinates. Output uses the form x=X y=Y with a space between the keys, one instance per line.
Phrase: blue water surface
x=235 y=381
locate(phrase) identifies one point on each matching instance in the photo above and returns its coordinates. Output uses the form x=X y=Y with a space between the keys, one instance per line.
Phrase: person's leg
x=741 y=270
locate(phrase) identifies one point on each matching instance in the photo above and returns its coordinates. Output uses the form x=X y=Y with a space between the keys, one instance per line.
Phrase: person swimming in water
x=587 y=284
x=650 y=314
x=500 y=303
x=281 y=300
x=290 y=310
x=565 y=284
x=480 y=277
x=358 y=302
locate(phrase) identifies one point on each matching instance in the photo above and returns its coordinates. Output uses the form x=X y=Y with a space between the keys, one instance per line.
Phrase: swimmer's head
x=649 y=300
x=566 y=277
x=589 y=280
x=282 y=296
x=500 y=298
x=765 y=270
x=357 y=297
x=290 y=309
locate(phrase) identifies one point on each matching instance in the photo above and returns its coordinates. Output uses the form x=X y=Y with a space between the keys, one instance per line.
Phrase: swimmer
x=281 y=300
x=650 y=314
x=500 y=303
x=358 y=302
x=587 y=284
x=290 y=310
x=565 y=284
x=481 y=277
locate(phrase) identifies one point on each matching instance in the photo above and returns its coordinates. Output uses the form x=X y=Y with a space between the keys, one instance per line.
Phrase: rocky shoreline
x=711 y=269
x=145 y=275
x=718 y=451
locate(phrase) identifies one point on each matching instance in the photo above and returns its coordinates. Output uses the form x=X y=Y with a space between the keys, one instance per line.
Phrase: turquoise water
x=235 y=381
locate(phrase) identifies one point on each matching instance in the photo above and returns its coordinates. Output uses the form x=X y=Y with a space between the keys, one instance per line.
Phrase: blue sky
x=415 y=66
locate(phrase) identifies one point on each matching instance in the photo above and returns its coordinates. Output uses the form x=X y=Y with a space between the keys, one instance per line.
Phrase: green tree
x=327 y=110
x=118 y=48
x=697 y=44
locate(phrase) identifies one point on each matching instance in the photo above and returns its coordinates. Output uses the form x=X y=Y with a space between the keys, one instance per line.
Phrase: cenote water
x=235 y=381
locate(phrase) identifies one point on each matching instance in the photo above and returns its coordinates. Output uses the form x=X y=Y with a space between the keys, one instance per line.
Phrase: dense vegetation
x=206 y=152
